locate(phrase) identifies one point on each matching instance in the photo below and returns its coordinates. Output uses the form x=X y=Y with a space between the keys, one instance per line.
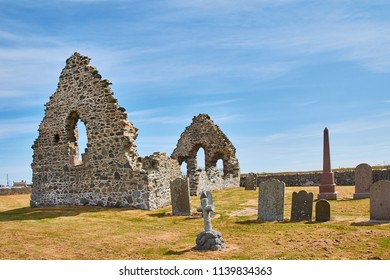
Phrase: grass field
x=104 y=233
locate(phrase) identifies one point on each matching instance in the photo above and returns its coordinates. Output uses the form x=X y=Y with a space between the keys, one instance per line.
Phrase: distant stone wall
x=345 y=178
x=11 y=191
x=211 y=180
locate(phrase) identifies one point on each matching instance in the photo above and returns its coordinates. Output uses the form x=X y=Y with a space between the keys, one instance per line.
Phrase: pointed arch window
x=77 y=138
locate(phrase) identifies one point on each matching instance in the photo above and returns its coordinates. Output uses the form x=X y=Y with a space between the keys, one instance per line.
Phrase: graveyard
x=107 y=202
x=101 y=233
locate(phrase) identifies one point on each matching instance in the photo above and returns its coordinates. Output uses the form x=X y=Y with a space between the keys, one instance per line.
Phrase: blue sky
x=271 y=73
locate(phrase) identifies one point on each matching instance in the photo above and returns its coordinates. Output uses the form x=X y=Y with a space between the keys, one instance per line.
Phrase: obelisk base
x=327 y=187
x=328 y=196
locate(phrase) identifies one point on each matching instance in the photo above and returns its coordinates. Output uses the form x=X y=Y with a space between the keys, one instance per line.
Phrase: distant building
x=22 y=184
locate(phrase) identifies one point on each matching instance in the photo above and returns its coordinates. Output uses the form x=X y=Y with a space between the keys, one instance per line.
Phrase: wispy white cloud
x=227 y=118
x=147 y=145
x=145 y=113
x=306 y=103
x=218 y=102
x=18 y=126
x=12 y=93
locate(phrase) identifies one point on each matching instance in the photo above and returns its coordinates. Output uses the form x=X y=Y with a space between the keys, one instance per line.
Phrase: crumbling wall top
x=204 y=133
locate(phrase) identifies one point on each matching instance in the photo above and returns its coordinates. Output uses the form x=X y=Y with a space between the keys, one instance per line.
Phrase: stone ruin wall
x=13 y=191
x=110 y=172
x=211 y=180
x=345 y=178
x=203 y=133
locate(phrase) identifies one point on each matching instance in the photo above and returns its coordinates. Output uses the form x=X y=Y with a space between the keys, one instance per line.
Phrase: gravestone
x=322 y=211
x=380 y=201
x=363 y=181
x=251 y=182
x=208 y=239
x=271 y=200
x=302 y=206
x=180 y=197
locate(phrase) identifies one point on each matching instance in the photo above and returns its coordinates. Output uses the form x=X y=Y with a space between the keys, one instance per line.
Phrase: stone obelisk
x=327 y=184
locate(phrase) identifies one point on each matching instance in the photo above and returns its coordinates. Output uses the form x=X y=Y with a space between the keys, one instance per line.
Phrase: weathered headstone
x=180 y=197
x=363 y=181
x=380 y=201
x=271 y=200
x=208 y=239
x=322 y=211
x=251 y=182
x=302 y=206
x=327 y=182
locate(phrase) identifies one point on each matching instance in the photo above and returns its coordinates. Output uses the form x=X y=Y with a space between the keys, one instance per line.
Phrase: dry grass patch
x=106 y=233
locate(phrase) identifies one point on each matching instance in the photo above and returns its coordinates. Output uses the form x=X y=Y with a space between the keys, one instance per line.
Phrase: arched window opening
x=220 y=167
x=77 y=138
x=82 y=141
x=200 y=159
x=183 y=168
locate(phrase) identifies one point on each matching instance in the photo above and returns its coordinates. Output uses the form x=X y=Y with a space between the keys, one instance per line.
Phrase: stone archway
x=203 y=133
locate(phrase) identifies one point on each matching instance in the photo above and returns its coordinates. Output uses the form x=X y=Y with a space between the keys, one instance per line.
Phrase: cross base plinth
x=209 y=241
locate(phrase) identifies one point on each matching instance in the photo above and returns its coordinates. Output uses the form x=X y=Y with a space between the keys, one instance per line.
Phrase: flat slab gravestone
x=302 y=206
x=271 y=200
x=180 y=197
x=363 y=181
x=251 y=182
x=380 y=201
x=322 y=210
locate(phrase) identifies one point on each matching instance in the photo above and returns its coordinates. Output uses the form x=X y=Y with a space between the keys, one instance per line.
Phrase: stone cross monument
x=327 y=183
x=208 y=239
x=206 y=210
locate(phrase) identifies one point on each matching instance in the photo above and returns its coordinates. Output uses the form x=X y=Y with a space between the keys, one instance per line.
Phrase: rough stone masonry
x=204 y=133
x=110 y=172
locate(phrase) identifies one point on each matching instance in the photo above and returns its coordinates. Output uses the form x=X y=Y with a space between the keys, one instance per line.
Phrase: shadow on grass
x=177 y=253
x=369 y=223
x=159 y=215
x=249 y=222
x=169 y=215
x=27 y=213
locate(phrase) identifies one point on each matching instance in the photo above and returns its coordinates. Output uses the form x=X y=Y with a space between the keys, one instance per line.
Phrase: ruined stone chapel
x=109 y=172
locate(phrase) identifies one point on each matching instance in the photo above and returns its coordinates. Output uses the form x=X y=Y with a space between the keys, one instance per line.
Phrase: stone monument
x=380 y=201
x=180 y=197
x=271 y=200
x=302 y=206
x=327 y=183
x=251 y=182
x=322 y=211
x=363 y=181
x=210 y=202
x=208 y=239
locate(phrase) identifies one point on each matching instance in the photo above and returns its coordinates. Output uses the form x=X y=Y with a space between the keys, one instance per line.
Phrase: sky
x=272 y=74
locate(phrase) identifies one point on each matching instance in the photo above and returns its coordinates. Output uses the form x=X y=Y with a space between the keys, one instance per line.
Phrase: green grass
x=108 y=233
